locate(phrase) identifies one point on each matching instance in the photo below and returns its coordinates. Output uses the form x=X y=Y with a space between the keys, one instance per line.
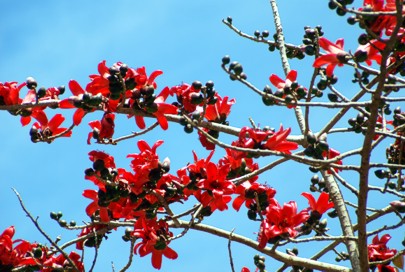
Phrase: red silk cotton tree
x=349 y=212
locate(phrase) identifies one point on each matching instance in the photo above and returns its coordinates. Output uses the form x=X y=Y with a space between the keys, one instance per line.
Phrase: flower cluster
x=35 y=257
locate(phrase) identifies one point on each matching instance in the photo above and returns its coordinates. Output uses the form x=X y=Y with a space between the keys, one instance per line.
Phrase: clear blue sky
x=55 y=41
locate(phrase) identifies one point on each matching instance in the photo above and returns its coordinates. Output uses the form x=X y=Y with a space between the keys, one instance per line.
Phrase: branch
x=282 y=257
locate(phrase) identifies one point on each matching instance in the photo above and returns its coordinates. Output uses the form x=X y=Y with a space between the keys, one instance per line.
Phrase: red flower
x=280 y=83
x=219 y=111
x=89 y=241
x=11 y=257
x=102 y=130
x=184 y=94
x=100 y=83
x=378 y=23
x=259 y=139
x=247 y=191
x=251 y=138
x=101 y=161
x=335 y=55
x=372 y=50
x=155 y=237
x=159 y=109
x=215 y=189
x=61 y=263
x=10 y=93
x=281 y=221
x=320 y=206
x=42 y=130
x=94 y=206
x=278 y=141
x=378 y=251
x=145 y=161
x=70 y=103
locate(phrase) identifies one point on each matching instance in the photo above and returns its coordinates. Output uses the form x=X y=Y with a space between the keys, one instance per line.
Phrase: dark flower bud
x=333 y=97
x=267 y=100
x=86 y=97
x=397 y=110
x=123 y=69
x=265 y=33
x=31 y=83
x=309 y=151
x=332 y=214
x=252 y=215
x=323 y=223
x=196 y=98
x=363 y=39
x=62 y=223
x=360 y=56
x=340 y=11
x=209 y=84
x=166 y=165
x=398 y=205
x=114 y=70
x=229 y=19
x=261 y=265
x=272 y=47
x=89 y=172
x=61 y=89
x=267 y=89
x=188 y=128
x=226 y=60
x=381 y=174
x=98 y=165
x=332 y=5
x=343 y=57
x=53 y=215
x=309 y=50
x=37 y=253
x=59 y=215
x=238 y=69
x=315 y=179
x=41 y=92
x=351 y=20
x=360 y=118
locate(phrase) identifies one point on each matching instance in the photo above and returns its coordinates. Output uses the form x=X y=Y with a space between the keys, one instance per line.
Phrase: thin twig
x=131 y=254
x=229 y=250
x=35 y=222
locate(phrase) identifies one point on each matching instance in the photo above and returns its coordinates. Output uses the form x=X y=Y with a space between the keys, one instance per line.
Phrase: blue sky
x=55 y=41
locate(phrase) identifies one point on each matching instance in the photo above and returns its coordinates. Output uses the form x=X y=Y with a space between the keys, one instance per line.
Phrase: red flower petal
x=25 y=120
x=277 y=81
x=292 y=75
x=153 y=76
x=78 y=116
x=311 y=200
x=140 y=122
x=102 y=68
x=75 y=87
x=66 y=104
x=157 y=259
x=55 y=122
